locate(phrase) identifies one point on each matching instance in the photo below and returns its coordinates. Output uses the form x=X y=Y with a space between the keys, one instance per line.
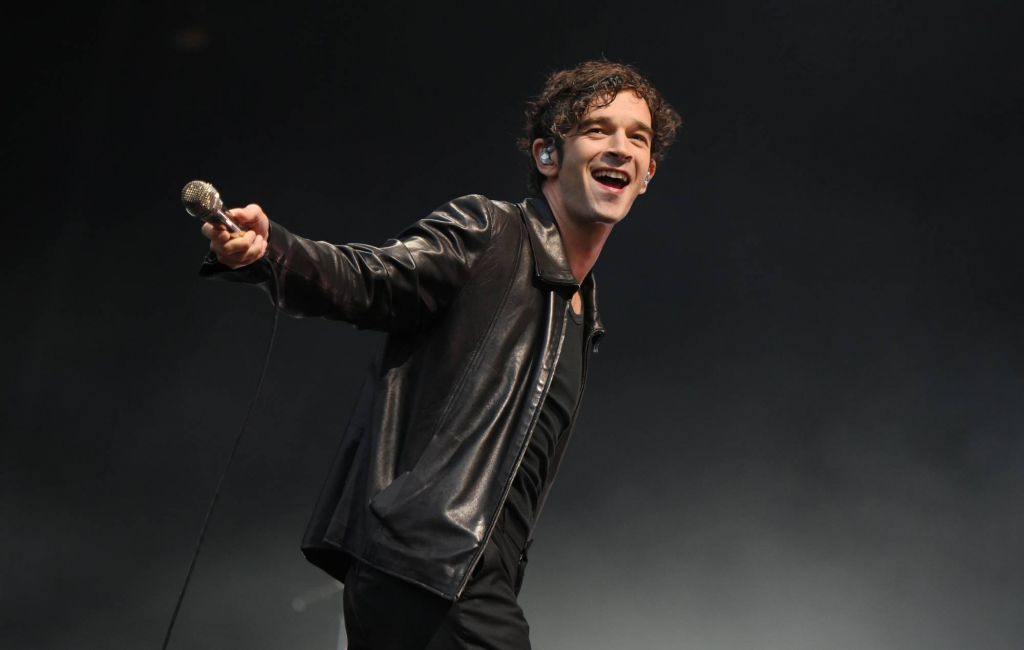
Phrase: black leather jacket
x=475 y=300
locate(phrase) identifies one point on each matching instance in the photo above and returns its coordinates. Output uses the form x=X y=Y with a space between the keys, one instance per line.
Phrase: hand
x=235 y=250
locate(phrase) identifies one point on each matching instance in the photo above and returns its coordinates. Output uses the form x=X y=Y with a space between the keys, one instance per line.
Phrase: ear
x=549 y=170
x=650 y=176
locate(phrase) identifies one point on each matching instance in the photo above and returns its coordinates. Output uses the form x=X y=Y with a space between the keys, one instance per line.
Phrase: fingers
x=248 y=214
x=238 y=249
x=239 y=244
x=216 y=232
x=251 y=217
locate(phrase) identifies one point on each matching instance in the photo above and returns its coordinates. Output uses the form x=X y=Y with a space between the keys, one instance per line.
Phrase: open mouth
x=612 y=178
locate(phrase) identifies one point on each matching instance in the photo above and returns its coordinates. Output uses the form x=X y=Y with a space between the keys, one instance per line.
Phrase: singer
x=491 y=313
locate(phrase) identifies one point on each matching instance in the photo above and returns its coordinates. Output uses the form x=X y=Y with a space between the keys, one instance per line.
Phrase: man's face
x=604 y=161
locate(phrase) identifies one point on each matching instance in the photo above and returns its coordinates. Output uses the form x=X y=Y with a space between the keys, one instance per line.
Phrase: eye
x=640 y=137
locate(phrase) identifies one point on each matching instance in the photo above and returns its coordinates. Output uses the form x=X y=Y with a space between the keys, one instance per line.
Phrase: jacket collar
x=552 y=264
x=550 y=260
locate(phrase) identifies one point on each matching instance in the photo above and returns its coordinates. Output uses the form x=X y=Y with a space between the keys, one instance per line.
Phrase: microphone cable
x=227 y=465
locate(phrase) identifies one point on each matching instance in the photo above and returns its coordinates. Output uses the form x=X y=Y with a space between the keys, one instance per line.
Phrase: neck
x=583 y=240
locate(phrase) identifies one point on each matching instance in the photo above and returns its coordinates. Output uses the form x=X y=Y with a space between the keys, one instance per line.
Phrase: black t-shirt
x=539 y=462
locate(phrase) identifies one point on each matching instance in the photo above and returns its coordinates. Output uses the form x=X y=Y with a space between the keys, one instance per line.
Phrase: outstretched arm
x=399 y=286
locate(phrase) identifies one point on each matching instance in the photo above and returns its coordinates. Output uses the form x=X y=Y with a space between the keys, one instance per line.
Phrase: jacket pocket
x=389 y=500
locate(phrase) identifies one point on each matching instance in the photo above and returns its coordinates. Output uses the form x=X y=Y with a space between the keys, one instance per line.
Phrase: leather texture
x=474 y=299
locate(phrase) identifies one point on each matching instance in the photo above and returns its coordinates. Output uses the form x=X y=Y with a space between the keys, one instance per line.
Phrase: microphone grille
x=201 y=199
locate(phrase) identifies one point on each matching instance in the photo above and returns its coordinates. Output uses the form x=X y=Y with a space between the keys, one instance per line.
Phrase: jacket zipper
x=522 y=452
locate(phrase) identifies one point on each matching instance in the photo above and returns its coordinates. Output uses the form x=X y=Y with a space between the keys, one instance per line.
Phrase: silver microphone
x=202 y=201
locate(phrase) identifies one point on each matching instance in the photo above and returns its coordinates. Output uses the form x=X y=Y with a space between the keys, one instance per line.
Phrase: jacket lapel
x=551 y=263
x=552 y=266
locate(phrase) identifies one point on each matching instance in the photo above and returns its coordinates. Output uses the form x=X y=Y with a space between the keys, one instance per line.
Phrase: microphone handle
x=220 y=217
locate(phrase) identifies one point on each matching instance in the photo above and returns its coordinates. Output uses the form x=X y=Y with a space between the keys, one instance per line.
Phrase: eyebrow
x=637 y=125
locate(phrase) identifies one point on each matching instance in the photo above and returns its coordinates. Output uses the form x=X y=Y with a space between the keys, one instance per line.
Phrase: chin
x=608 y=218
x=611 y=214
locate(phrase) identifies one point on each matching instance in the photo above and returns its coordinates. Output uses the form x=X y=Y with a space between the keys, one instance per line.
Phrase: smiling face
x=603 y=163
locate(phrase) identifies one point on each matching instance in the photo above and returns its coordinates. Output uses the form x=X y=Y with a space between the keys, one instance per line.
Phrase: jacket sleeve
x=399 y=286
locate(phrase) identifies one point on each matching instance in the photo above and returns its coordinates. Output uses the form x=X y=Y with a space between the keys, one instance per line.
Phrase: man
x=491 y=313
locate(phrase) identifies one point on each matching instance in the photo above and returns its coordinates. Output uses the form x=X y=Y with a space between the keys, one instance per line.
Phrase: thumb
x=251 y=217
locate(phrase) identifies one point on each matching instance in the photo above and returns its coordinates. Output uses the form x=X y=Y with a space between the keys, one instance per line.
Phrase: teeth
x=611 y=173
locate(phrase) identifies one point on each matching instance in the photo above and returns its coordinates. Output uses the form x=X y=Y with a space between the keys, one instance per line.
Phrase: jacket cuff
x=277 y=244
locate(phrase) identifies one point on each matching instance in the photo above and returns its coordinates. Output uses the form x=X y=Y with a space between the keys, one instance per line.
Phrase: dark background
x=803 y=429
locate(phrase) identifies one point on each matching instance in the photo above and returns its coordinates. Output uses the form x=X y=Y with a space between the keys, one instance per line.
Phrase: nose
x=617 y=145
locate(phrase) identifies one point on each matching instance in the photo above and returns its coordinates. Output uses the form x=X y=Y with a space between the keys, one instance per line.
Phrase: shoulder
x=480 y=209
x=475 y=215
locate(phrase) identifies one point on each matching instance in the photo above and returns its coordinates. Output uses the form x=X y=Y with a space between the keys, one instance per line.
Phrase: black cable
x=223 y=475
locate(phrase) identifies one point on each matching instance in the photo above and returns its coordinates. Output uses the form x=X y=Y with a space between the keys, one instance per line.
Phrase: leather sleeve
x=399 y=286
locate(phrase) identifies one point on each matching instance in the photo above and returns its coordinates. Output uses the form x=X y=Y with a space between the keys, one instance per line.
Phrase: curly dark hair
x=569 y=94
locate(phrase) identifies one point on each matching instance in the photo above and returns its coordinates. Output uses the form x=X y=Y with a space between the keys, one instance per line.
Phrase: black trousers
x=385 y=613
